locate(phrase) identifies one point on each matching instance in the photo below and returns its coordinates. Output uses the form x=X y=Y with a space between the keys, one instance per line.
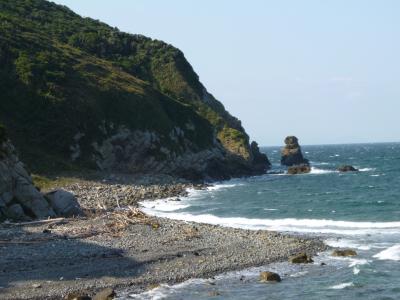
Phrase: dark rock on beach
x=302 y=169
x=301 y=258
x=269 y=277
x=77 y=296
x=106 y=294
x=347 y=168
x=291 y=154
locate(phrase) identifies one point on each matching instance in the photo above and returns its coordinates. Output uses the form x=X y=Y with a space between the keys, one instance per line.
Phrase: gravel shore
x=126 y=248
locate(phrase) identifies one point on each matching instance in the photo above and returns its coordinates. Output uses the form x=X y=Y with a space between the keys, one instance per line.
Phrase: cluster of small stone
x=95 y=195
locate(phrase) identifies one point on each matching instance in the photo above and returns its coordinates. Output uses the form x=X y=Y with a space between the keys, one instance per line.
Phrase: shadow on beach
x=28 y=257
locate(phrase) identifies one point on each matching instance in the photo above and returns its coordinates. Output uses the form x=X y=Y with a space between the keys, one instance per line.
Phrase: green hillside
x=76 y=93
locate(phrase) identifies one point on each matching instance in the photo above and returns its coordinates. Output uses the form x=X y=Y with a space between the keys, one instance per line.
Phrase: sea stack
x=291 y=153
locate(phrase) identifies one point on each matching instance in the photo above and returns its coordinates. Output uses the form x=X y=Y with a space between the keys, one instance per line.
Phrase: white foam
x=299 y=274
x=286 y=225
x=164 y=290
x=321 y=171
x=165 y=205
x=345 y=243
x=270 y=209
x=366 y=169
x=391 y=253
x=220 y=186
x=342 y=286
x=357 y=262
x=356 y=271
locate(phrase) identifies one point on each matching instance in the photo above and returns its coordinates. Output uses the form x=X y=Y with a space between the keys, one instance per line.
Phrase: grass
x=46 y=184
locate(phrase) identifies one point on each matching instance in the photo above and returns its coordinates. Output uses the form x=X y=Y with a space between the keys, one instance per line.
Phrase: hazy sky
x=326 y=71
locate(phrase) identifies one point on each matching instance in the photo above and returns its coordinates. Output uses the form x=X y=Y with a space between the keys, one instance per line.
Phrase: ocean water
x=359 y=210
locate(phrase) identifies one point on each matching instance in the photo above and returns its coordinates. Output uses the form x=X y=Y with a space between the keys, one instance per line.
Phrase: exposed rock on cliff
x=260 y=160
x=20 y=200
x=291 y=154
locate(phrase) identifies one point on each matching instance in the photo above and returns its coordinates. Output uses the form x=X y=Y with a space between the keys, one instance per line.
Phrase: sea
x=357 y=210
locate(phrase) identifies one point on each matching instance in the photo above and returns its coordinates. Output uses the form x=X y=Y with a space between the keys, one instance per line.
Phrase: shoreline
x=125 y=248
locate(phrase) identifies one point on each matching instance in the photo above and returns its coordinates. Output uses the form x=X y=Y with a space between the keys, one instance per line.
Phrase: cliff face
x=78 y=93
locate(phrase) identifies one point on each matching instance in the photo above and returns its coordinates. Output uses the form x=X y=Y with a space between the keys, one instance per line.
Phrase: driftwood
x=35 y=222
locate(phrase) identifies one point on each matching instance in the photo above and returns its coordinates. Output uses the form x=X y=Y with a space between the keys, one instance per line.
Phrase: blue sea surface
x=358 y=210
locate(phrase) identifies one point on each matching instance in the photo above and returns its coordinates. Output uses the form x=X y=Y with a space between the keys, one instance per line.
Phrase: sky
x=325 y=71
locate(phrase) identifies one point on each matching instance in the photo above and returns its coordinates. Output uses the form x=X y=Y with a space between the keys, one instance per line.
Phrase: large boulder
x=64 y=203
x=269 y=277
x=291 y=154
x=33 y=202
x=347 y=168
x=19 y=198
x=16 y=212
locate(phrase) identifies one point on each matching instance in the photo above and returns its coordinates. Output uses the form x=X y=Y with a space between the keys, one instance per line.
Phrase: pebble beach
x=118 y=246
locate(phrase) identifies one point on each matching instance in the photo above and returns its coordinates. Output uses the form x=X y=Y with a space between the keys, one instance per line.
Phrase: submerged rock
x=347 y=168
x=214 y=294
x=269 y=277
x=302 y=169
x=344 y=253
x=291 y=154
x=301 y=258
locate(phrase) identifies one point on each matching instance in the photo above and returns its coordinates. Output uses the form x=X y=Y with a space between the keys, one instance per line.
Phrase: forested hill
x=77 y=93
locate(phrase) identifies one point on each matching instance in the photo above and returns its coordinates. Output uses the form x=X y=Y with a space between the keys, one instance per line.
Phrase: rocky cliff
x=76 y=93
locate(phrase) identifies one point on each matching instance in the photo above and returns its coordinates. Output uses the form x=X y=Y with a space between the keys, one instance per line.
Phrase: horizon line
x=337 y=144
